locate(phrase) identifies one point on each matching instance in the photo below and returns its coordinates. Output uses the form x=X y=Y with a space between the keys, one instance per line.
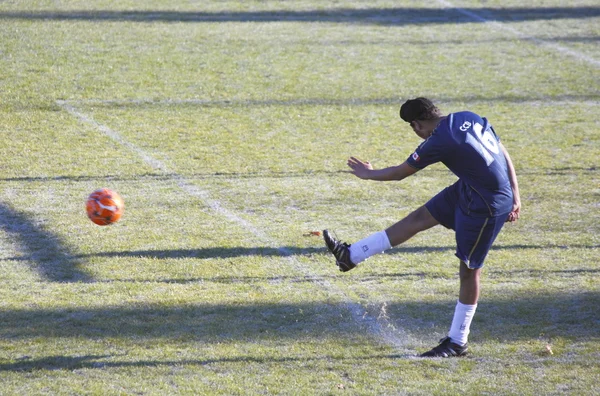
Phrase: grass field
x=226 y=127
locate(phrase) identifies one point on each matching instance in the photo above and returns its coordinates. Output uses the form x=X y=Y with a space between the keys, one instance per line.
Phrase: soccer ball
x=104 y=206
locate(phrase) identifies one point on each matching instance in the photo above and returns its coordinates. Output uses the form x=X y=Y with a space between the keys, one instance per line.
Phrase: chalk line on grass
x=523 y=36
x=390 y=334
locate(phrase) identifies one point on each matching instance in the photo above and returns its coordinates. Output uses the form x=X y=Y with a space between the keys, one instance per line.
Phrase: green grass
x=226 y=127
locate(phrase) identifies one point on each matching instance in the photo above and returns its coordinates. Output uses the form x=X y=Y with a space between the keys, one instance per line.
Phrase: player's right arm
x=364 y=170
x=512 y=176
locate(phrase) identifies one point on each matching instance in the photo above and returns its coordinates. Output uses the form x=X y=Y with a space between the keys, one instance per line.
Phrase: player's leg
x=415 y=222
x=474 y=238
x=438 y=210
x=469 y=284
x=455 y=344
x=349 y=256
x=466 y=304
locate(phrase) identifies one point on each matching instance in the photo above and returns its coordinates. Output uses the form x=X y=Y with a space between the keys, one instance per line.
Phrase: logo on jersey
x=465 y=126
x=416 y=157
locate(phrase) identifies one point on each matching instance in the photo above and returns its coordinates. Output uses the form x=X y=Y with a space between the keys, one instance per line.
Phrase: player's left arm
x=512 y=175
x=364 y=170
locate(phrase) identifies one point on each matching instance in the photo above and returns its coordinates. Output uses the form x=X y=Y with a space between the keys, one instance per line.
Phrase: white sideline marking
x=391 y=336
x=523 y=36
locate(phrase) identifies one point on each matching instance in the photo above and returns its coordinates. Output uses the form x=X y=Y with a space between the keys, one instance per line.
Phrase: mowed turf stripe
x=386 y=332
x=503 y=26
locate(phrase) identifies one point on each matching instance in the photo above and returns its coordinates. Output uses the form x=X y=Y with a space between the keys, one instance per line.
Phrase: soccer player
x=476 y=207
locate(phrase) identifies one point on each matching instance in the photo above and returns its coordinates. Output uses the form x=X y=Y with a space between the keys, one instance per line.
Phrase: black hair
x=419 y=109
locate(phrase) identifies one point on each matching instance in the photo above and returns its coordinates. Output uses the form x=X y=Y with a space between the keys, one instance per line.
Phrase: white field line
x=523 y=36
x=385 y=331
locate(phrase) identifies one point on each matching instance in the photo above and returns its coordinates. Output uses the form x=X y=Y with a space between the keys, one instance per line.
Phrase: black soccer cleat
x=447 y=348
x=340 y=250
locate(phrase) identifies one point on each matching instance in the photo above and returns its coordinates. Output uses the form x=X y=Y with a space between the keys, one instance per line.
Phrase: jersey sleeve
x=491 y=128
x=429 y=152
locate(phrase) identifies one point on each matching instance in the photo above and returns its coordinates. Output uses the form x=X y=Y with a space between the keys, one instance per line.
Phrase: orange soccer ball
x=104 y=206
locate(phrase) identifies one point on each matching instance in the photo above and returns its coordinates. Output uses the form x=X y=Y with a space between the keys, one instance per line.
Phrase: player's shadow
x=49 y=255
x=398 y=16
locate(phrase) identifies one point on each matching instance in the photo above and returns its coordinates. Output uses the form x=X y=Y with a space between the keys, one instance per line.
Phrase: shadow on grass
x=379 y=16
x=512 y=316
x=55 y=363
x=501 y=317
x=335 y=276
x=50 y=258
x=102 y=362
x=308 y=173
x=330 y=102
x=44 y=249
x=232 y=252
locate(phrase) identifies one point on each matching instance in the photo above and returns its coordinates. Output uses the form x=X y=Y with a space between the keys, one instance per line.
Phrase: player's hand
x=360 y=168
x=516 y=212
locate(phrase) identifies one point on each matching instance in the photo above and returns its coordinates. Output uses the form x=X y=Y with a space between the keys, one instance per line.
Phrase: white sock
x=461 y=324
x=371 y=245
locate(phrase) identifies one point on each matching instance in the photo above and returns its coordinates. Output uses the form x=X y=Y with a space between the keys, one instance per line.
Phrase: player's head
x=421 y=114
x=419 y=109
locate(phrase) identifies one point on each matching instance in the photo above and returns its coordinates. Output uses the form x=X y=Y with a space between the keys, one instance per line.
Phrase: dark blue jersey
x=468 y=145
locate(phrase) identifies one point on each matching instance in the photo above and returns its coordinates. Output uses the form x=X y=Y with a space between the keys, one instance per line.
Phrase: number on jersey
x=483 y=142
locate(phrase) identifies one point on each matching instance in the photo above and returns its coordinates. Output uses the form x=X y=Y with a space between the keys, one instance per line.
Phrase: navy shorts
x=474 y=235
